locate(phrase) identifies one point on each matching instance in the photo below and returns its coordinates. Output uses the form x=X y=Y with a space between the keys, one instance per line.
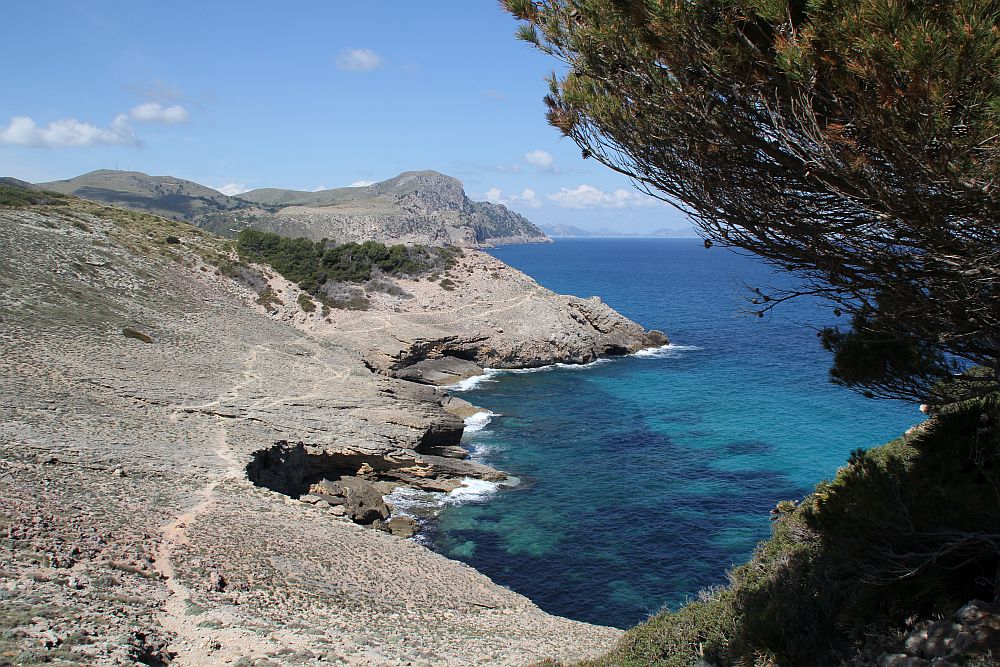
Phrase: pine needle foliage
x=853 y=143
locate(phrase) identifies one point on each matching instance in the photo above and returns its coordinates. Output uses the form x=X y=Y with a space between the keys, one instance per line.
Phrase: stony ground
x=131 y=534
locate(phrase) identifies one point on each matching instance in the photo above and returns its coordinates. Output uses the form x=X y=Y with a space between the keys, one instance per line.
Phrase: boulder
x=440 y=371
x=459 y=407
x=360 y=499
x=402 y=526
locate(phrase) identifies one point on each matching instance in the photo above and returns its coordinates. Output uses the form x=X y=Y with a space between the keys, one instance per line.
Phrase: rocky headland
x=194 y=459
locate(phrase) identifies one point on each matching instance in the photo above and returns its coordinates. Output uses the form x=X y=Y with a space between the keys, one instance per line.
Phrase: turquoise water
x=642 y=479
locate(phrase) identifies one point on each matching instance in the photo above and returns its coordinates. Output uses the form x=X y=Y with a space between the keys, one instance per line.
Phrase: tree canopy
x=853 y=143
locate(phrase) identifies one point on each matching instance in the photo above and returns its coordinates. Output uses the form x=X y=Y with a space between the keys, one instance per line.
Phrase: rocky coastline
x=190 y=473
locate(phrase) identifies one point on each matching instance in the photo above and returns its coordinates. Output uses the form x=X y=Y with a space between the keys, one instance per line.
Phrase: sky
x=302 y=95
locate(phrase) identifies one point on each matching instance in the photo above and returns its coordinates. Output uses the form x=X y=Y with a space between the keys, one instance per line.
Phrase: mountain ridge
x=424 y=207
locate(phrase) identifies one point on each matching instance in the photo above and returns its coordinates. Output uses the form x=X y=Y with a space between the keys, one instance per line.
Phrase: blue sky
x=299 y=95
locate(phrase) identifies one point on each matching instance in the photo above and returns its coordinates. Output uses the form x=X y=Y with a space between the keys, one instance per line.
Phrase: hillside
x=193 y=451
x=170 y=197
x=415 y=207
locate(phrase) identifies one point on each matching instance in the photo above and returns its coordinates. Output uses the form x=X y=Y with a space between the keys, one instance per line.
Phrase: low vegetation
x=15 y=197
x=306 y=304
x=906 y=530
x=330 y=272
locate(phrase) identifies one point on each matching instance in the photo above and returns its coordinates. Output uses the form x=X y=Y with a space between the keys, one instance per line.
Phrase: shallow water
x=641 y=480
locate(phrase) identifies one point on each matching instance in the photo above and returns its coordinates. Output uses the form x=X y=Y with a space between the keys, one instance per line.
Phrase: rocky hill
x=170 y=197
x=415 y=207
x=193 y=452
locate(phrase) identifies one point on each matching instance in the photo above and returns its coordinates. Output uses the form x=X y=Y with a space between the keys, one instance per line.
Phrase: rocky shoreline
x=185 y=465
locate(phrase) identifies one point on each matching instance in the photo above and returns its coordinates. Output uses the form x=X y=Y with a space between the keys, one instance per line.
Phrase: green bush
x=15 y=197
x=312 y=264
x=269 y=299
x=306 y=304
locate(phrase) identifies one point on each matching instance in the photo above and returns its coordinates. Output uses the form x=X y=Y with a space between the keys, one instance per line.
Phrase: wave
x=425 y=505
x=666 y=351
x=491 y=373
x=468 y=384
x=471 y=491
x=479 y=421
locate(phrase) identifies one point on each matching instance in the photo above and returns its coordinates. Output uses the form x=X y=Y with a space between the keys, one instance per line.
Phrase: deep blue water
x=644 y=478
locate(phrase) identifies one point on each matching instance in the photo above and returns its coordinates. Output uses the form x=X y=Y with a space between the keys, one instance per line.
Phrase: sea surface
x=640 y=480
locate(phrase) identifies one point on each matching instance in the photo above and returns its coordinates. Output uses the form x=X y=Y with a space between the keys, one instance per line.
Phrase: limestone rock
x=362 y=502
x=402 y=526
x=440 y=371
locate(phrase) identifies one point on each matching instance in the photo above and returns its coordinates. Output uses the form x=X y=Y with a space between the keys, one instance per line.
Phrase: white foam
x=473 y=382
x=427 y=504
x=666 y=351
x=591 y=364
x=479 y=421
x=491 y=373
x=472 y=490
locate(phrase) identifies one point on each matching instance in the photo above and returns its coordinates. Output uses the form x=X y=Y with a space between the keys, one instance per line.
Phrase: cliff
x=189 y=451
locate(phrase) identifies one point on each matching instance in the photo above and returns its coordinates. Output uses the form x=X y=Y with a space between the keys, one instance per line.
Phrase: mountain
x=414 y=207
x=166 y=196
x=571 y=231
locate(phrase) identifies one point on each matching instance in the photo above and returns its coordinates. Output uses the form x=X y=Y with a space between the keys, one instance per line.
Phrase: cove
x=640 y=480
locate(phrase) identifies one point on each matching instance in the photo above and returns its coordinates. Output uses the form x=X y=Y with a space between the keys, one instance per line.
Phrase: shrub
x=173 y=240
x=306 y=304
x=15 y=197
x=315 y=264
x=268 y=299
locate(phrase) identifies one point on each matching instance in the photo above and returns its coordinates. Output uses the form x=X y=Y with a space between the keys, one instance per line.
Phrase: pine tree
x=853 y=143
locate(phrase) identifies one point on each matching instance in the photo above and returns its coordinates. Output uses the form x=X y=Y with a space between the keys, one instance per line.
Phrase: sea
x=638 y=481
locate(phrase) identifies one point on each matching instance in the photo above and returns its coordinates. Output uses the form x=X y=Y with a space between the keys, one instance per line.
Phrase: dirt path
x=192 y=644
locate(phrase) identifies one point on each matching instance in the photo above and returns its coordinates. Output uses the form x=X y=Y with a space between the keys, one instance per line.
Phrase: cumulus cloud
x=231 y=189
x=541 y=160
x=361 y=184
x=154 y=112
x=527 y=197
x=587 y=196
x=358 y=60
x=67 y=132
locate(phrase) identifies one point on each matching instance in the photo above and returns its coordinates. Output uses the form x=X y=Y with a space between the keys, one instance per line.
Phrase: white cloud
x=361 y=184
x=526 y=198
x=358 y=60
x=67 y=132
x=541 y=160
x=495 y=95
x=154 y=112
x=231 y=189
x=587 y=196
